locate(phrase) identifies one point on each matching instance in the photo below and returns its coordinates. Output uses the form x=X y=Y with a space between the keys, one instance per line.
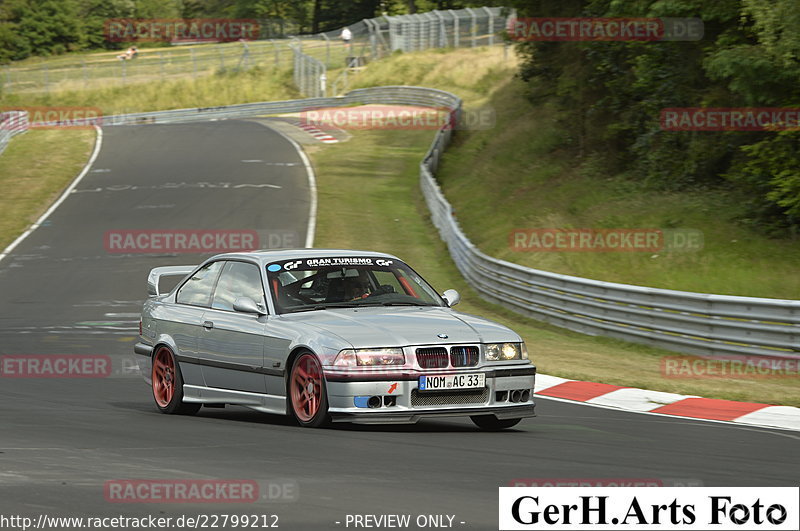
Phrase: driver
x=356 y=289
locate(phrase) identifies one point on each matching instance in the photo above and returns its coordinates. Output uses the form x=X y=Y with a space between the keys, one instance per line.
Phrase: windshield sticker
x=315 y=263
x=274 y=267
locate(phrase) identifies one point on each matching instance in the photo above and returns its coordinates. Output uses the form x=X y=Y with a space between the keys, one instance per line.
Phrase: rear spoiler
x=167 y=271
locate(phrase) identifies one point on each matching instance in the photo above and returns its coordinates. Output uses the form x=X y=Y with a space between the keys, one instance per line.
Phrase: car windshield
x=345 y=282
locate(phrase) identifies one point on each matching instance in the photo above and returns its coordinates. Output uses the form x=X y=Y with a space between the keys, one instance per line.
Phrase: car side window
x=197 y=290
x=238 y=279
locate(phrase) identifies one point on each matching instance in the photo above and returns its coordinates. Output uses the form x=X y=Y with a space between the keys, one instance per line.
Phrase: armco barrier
x=398 y=95
x=695 y=323
x=11 y=123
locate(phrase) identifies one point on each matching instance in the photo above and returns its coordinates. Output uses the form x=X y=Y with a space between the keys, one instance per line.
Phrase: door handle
x=208 y=325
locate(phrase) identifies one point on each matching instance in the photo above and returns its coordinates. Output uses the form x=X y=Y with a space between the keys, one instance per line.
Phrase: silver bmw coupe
x=327 y=336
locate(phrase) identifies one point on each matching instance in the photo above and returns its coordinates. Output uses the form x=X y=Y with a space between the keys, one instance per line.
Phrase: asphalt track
x=61 y=440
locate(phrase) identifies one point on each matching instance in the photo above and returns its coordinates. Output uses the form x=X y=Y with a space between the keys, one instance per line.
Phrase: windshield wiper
x=327 y=305
x=398 y=303
x=303 y=309
x=324 y=306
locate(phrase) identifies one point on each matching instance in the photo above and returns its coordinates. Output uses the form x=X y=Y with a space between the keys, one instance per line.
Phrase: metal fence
x=371 y=40
x=442 y=29
x=376 y=38
x=310 y=75
x=149 y=65
x=11 y=123
x=695 y=323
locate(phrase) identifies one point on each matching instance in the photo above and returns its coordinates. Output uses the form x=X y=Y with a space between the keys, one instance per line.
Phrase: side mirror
x=247 y=305
x=451 y=297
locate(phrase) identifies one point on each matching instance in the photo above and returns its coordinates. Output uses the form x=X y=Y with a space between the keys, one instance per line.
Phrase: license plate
x=452 y=382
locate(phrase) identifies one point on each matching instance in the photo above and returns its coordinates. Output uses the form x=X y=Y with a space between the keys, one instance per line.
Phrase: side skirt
x=209 y=395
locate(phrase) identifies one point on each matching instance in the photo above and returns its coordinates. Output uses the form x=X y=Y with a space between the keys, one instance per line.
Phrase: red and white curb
x=320 y=135
x=661 y=403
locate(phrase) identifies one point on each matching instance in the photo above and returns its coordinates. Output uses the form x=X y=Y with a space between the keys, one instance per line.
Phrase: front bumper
x=406 y=404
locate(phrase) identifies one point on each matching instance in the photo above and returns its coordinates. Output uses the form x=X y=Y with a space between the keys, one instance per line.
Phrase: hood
x=403 y=326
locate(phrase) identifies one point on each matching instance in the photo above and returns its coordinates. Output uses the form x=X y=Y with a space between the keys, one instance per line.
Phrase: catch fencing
x=371 y=39
x=694 y=323
x=11 y=123
x=154 y=64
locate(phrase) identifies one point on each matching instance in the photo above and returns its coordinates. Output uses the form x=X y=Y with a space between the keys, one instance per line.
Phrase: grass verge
x=31 y=181
x=263 y=83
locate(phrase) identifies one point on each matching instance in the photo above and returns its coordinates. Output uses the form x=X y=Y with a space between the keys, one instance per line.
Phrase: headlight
x=506 y=351
x=369 y=357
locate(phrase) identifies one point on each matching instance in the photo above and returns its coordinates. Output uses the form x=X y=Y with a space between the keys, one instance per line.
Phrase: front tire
x=492 y=423
x=308 y=393
x=167 y=385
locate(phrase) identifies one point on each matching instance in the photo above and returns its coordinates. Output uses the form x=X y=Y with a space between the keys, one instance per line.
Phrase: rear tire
x=492 y=423
x=167 y=384
x=307 y=392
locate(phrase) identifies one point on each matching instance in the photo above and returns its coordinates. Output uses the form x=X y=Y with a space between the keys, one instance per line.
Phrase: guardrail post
x=381 y=41
x=374 y=32
x=392 y=33
x=455 y=28
x=491 y=25
x=442 y=29
x=371 y=38
x=474 y=26
x=422 y=25
x=277 y=54
x=430 y=30
x=327 y=50
x=405 y=31
x=194 y=63
x=413 y=29
x=310 y=79
x=244 y=60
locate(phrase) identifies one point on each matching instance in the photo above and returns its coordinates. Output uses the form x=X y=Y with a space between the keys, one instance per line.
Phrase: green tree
x=610 y=95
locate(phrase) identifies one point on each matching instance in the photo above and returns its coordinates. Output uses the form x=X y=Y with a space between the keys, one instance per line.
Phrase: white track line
x=97 y=144
x=312 y=187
